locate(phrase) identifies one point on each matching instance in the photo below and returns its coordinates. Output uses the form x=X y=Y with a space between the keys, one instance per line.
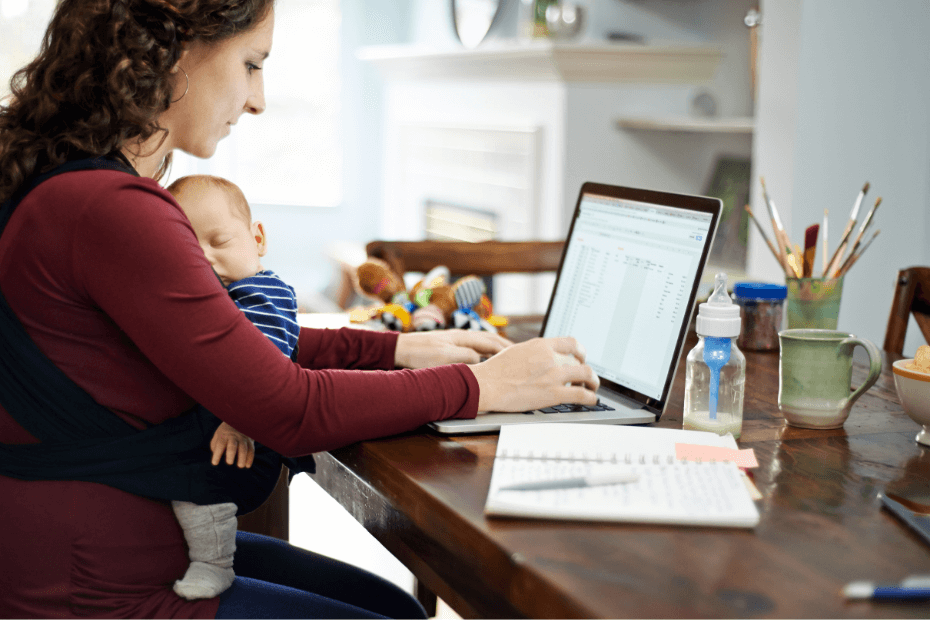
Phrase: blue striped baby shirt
x=271 y=305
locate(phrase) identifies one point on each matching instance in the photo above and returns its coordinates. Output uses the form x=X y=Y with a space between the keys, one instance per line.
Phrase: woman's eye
x=221 y=242
x=252 y=67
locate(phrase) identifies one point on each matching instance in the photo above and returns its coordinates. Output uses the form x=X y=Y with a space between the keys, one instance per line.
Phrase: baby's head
x=222 y=220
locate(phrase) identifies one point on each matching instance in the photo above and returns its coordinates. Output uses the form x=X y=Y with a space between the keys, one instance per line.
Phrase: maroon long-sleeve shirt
x=105 y=273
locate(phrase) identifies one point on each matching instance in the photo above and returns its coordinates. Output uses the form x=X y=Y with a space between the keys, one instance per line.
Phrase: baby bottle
x=715 y=372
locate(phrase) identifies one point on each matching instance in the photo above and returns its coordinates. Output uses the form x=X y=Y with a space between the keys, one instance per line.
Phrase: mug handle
x=875 y=366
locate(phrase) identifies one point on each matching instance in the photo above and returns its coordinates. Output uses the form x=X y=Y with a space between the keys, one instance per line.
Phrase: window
x=22 y=25
x=291 y=154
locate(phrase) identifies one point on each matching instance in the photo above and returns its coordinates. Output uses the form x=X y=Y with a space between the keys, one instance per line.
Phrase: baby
x=234 y=245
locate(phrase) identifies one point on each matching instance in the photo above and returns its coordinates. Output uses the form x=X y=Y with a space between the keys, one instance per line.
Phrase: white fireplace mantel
x=544 y=61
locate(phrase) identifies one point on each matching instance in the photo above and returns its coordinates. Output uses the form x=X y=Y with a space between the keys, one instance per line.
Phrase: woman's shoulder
x=105 y=183
x=111 y=196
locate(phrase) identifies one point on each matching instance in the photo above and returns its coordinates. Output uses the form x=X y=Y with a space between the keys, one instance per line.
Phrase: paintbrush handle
x=810 y=249
x=865 y=226
x=785 y=243
x=826 y=260
x=752 y=216
x=840 y=249
x=853 y=257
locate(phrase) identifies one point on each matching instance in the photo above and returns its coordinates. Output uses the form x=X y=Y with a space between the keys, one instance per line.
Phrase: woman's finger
x=485 y=343
x=580 y=374
x=466 y=355
x=578 y=395
x=231 y=449
x=568 y=346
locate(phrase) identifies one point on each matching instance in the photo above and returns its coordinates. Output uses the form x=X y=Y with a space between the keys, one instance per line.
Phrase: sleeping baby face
x=231 y=242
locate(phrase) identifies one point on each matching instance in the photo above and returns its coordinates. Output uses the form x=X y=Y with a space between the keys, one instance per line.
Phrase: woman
x=105 y=275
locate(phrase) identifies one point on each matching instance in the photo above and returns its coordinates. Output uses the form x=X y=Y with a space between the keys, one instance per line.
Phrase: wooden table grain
x=422 y=495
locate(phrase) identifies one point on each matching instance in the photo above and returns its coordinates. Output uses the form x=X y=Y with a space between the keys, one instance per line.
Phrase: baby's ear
x=258 y=232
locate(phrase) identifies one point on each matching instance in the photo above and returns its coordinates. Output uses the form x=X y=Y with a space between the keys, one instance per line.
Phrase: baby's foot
x=204 y=580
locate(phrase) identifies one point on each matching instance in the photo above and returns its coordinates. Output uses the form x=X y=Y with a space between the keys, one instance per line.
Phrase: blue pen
x=912 y=588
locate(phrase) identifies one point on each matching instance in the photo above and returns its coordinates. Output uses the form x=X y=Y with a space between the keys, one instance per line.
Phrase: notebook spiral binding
x=624 y=459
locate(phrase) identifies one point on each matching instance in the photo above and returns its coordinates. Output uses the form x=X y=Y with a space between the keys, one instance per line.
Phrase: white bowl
x=914 y=393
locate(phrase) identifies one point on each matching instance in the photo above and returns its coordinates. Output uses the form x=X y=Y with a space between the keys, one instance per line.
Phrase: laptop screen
x=627 y=283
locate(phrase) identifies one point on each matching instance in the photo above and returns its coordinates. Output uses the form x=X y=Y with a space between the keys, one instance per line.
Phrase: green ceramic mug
x=815 y=372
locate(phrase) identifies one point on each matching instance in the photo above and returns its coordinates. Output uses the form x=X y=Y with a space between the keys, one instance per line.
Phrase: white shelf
x=734 y=125
x=547 y=61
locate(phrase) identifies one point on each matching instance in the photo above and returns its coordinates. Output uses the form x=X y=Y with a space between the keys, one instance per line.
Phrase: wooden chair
x=911 y=296
x=483 y=259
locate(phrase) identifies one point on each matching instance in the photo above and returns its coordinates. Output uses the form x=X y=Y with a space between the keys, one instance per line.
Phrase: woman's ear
x=258 y=231
x=184 y=50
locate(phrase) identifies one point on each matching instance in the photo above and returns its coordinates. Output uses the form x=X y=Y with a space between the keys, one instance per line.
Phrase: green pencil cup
x=813 y=303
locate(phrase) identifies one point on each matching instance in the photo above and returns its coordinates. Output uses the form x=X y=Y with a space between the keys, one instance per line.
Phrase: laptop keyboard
x=567 y=408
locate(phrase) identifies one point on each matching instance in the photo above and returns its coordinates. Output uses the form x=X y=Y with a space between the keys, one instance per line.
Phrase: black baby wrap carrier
x=82 y=440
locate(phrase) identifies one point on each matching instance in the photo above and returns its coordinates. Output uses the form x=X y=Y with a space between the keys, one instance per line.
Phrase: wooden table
x=422 y=495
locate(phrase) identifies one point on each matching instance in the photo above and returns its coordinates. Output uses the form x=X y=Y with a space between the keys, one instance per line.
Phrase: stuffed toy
x=376 y=278
x=432 y=303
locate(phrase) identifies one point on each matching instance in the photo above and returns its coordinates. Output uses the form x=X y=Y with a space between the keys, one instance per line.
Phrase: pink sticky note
x=691 y=452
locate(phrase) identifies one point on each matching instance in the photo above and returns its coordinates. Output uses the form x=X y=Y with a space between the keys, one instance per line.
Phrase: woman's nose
x=255 y=104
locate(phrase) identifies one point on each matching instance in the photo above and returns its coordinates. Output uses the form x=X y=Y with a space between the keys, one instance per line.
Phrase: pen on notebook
x=916 y=587
x=572 y=483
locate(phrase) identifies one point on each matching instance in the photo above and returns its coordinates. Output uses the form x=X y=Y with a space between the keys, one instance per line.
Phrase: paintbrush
x=793 y=262
x=844 y=239
x=853 y=257
x=778 y=258
x=781 y=237
x=862 y=229
x=826 y=212
x=810 y=249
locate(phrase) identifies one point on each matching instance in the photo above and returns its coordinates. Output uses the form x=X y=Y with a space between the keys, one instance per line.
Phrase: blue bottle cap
x=760 y=290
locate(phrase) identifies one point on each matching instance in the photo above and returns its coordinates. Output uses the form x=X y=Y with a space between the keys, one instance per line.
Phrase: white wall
x=843 y=98
x=301 y=235
x=846 y=99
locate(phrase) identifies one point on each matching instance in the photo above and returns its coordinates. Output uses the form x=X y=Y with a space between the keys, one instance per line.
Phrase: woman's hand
x=447 y=346
x=534 y=374
x=228 y=440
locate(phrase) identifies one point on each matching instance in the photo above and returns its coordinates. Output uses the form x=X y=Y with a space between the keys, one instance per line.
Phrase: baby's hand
x=229 y=440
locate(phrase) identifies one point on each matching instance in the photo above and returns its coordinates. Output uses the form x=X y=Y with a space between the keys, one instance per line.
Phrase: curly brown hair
x=103 y=76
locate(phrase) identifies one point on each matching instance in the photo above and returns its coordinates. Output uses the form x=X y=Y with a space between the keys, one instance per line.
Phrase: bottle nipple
x=718 y=321
x=719 y=296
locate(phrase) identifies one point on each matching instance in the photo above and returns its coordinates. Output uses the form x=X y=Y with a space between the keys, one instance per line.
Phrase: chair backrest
x=911 y=297
x=483 y=259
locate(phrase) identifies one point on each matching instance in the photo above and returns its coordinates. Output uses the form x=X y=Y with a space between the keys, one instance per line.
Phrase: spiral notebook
x=668 y=489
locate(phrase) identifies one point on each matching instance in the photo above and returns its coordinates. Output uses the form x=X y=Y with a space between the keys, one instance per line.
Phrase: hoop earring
x=186 y=88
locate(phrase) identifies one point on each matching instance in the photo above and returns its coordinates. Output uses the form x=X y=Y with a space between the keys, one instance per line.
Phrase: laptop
x=625 y=289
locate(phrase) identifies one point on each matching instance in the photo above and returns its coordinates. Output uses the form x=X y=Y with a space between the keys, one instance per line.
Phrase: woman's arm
x=137 y=259
x=346 y=348
x=367 y=349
